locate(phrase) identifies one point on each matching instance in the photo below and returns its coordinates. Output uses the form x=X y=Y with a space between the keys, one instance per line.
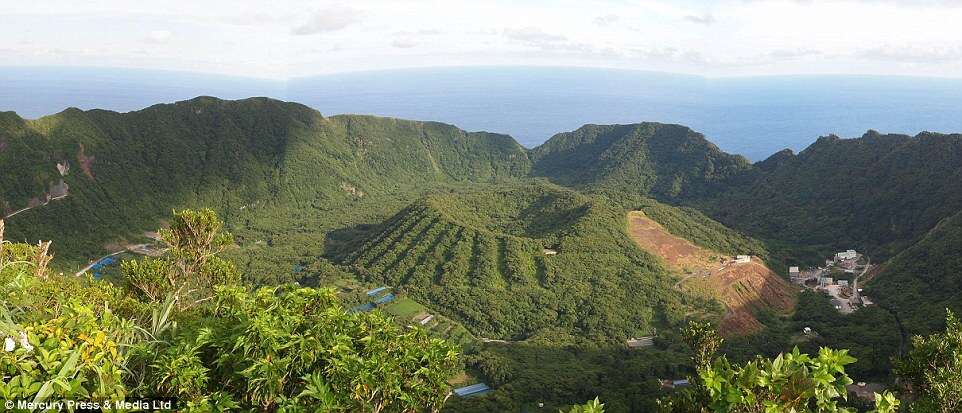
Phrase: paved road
x=29 y=208
x=855 y=293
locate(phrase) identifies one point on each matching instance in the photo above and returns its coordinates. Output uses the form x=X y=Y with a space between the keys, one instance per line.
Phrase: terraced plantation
x=514 y=261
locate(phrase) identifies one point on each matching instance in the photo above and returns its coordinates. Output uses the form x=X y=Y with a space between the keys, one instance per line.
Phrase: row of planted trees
x=180 y=325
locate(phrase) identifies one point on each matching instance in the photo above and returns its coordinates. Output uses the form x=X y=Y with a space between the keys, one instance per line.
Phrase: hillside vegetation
x=878 y=193
x=528 y=247
x=512 y=262
x=179 y=325
x=924 y=279
x=666 y=161
x=280 y=174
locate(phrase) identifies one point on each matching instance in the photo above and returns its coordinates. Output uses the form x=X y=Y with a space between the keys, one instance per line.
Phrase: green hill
x=921 y=282
x=664 y=161
x=878 y=193
x=513 y=261
x=279 y=173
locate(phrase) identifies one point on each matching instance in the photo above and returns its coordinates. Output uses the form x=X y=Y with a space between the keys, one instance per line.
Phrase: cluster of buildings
x=821 y=277
x=846 y=296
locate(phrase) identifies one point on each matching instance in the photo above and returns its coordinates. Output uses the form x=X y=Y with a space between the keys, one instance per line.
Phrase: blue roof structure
x=387 y=298
x=680 y=383
x=375 y=291
x=473 y=389
x=99 y=265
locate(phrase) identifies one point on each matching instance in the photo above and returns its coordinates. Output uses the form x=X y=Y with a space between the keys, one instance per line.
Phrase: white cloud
x=159 y=36
x=910 y=54
x=328 y=20
x=712 y=38
x=707 y=19
x=533 y=36
x=404 y=43
x=606 y=20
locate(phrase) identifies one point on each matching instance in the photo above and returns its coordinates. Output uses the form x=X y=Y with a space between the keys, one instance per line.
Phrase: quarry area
x=742 y=283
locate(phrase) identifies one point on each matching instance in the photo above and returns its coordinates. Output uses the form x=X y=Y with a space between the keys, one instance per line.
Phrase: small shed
x=743 y=259
x=549 y=251
x=640 y=342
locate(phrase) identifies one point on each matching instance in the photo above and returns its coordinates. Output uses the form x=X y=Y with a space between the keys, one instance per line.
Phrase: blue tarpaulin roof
x=375 y=291
x=472 y=389
x=104 y=262
x=387 y=298
x=99 y=265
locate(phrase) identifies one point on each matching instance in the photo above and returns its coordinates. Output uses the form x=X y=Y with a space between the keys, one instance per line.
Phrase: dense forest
x=522 y=255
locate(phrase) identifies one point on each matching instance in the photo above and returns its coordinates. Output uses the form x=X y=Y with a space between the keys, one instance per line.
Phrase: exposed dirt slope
x=743 y=288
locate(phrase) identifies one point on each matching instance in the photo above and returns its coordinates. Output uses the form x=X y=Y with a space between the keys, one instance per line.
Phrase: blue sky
x=291 y=38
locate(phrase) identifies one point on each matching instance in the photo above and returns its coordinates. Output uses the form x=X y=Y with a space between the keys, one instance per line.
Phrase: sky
x=294 y=38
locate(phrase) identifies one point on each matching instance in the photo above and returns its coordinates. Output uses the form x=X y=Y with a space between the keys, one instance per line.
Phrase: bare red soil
x=742 y=288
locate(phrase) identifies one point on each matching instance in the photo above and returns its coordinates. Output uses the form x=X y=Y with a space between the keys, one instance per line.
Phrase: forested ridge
x=525 y=246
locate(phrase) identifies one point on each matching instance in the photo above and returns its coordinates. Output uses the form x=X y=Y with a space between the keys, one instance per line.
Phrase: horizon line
x=282 y=80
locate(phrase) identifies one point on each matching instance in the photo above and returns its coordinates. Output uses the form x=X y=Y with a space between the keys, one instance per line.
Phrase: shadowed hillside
x=878 y=193
x=920 y=283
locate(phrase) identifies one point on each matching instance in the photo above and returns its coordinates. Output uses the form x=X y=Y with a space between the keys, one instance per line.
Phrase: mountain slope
x=920 y=283
x=665 y=161
x=743 y=288
x=272 y=169
x=878 y=193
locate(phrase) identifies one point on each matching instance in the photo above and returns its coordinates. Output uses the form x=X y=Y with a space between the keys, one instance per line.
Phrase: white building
x=846 y=255
x=743 y=259
x=640 y=342
x=424 y=321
